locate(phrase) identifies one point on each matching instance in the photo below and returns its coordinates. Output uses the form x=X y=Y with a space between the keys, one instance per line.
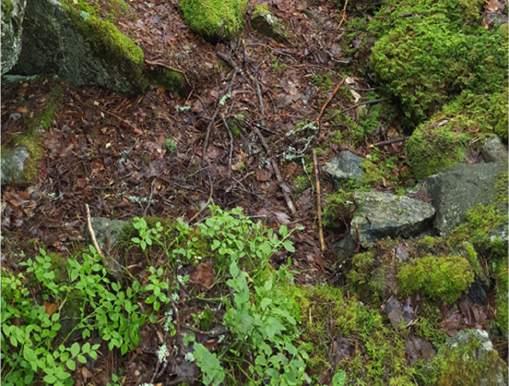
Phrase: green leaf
x=288 y=245
x=82 y=359
x=339 y=378
x=71 y=365
x=75 y=349
x=50 y=378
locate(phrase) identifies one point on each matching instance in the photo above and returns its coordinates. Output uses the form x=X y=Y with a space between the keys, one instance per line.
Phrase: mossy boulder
x=502 y=298
x=440 y=278
x=467 y=359
x=267 y=24
x=12 y=20
x=449 y=136
x=428 y=57
x=84 y=48
x=214 y=19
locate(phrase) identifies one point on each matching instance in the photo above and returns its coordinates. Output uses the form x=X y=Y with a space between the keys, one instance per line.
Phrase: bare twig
x=388 y=142
x=343 y=15
x=167 y=66
x=230 y=151
x=284 y=187
x=318 y=202
x=327 y=103
x=91 y=231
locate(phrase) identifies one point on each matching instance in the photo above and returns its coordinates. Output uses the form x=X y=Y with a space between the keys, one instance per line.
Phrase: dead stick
x=318 y=202
x=91 y=231
x=388 y=142
x=343 y=15
x=327 y=102
x=284 y=187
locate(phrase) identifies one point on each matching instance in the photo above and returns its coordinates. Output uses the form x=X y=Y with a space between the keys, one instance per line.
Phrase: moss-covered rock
x=12 y=20
x=441 y=278
x=267 y=24
x=467 y=359
x=214 y=19
x=85 y=49
x=427 y=57
x=502 y=298
x=448 y=137
x=369 y=352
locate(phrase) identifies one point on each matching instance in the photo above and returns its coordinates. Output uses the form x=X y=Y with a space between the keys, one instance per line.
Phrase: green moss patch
x=214 y=19
x=441 y=278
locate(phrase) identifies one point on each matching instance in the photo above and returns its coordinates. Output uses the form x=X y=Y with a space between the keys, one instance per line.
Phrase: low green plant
x=146 y=235
x=156 y=289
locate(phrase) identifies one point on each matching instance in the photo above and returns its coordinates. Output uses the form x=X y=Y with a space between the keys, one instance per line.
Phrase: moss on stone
x=169 y=79
x=502 y=298
x=214 y=19
x=441 y=278
x=7 y=8
x=424 y=60
x=367 y=277
x=447 y=137
x=373 y=354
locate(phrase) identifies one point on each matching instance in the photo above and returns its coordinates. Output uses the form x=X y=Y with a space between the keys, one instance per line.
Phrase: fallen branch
x=343 y=15
x=284 y=187
x=388 y=142
x=91 y=231
x=318 y=202
x=327 y=103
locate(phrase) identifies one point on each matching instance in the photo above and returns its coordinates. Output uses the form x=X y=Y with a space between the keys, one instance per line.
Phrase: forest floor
x=164 y=155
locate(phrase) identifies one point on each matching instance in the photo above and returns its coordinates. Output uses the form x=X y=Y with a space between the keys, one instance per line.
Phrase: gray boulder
x=13 y=165
x=12 y=21
x=63 y=39
x=493 y=150
x=344 y=166
x=108 y=231
x=380 y=215
x=457 y=190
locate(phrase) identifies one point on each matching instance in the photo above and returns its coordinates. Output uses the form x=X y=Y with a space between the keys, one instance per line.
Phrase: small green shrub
x=441 y=278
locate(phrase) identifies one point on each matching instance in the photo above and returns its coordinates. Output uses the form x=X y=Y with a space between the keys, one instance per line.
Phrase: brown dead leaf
x=85 y=373
x=203 y=275
x=263 y=175
x=50 y=308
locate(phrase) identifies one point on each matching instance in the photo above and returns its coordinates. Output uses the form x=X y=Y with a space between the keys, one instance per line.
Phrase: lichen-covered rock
x=448 y=137
x=459 y=189
x=267 y=24
x=381 y=214
x=12 y=21
x=441 y=278
x=344 y=166
x=69 y=40
x=214 y=19
x=13 y=165
x=108 y=231
x=468 y=359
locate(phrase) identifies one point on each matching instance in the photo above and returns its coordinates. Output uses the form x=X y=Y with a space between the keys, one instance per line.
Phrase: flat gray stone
x=344 y=166
x=379 y=215
x=457 y=190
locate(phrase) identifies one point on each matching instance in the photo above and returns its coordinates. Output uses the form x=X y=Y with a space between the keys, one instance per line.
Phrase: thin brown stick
x=318 y=202
x=343 y=15
x=230 y=151
x=91 y=231
x=388 y=142
x=167 y=66
x=284 y=187
x=327 y=103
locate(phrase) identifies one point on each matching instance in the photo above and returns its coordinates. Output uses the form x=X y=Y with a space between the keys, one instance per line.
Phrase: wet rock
x=418 y=348
x=267 y=24
x=13 y=165
x=344 y=166
x=344 y=248
x=12 y=20
x=85 y=49
x=456 y=190
x=493 y=150
x=108 y=231
x=380 y=215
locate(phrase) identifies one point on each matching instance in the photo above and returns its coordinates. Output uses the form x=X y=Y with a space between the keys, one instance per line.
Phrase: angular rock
x=344 y=248
x=493 y=150
x=267 y=24
x=12 y=20
x=456 y=190
x=381 y=214
x=469 y=358
x=344 y=166
x=13 y=165
x=63 y=39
